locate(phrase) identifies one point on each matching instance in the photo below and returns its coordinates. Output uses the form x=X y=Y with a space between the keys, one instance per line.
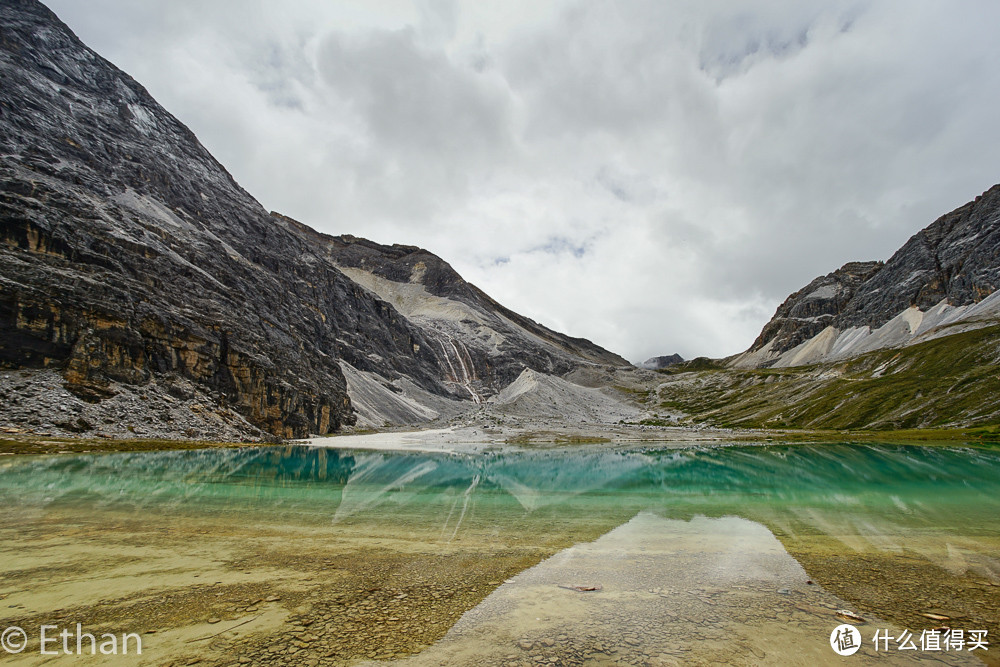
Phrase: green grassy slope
x=953 y=381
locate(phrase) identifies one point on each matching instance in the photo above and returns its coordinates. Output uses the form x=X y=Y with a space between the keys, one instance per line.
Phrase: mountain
x=942 y=281
x=656 y=363
x=144 y=292
x=913 y=342
x=951 y=381
x=481 y=346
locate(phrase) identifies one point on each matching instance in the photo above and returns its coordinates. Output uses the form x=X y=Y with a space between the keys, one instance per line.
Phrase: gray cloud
x=415 y=100
x=655 y=175
x=438 y=20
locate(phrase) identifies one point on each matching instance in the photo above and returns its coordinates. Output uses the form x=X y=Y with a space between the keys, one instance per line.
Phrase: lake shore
x=473 y=438
x=281 y=554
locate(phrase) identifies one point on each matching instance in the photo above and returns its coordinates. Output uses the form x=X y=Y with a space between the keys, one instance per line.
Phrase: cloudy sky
x=655 y=175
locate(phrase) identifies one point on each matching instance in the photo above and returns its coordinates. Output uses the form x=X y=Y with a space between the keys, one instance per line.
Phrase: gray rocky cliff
x=955 y=259
x=656 y=363
x=479 y=345
x=815 y=307
x=936 y=278
x=129 y=255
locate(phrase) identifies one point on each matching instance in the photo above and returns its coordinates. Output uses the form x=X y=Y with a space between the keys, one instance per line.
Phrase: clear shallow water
x=932 y=511
x=918 y=484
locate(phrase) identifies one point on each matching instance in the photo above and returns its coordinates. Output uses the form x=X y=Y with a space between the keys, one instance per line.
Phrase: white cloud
x=656 y=175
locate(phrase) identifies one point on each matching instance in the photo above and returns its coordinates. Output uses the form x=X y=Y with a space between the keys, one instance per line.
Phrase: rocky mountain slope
x=482 y=346
x=656 y=363
x=132 y=264
x=910 y=343
x=943 y=280
x=949 y=381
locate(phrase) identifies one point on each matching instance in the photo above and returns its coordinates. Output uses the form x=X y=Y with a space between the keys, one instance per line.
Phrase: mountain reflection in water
x=702 y=553
x=864 y=496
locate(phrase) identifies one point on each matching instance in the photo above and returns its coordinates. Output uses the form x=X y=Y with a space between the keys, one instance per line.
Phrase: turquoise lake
x=740 y=554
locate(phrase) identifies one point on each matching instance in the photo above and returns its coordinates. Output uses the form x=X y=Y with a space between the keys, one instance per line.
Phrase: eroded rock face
x=478 y=345
x=656 y=363
x=128 y=253
x=956 y=260
x=815 y=307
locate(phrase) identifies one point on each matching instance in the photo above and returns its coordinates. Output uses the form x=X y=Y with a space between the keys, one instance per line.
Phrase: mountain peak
x=656 y=363
x=942 y=276
x=131 y=262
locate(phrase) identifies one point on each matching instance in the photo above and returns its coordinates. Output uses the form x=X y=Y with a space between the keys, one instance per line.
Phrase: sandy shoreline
x=441 y=440
x=475 y=440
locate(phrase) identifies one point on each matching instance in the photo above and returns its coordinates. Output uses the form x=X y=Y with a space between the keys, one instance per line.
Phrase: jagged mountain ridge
x=943 y=279
x=130 y=257
x=484 y=346
x=814 y=307
x=656 y=363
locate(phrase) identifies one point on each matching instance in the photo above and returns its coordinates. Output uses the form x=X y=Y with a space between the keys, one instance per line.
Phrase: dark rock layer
x=525 y=343
x=956 y=258
x=127 y=252
x=656 y=363
x=814 y=307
